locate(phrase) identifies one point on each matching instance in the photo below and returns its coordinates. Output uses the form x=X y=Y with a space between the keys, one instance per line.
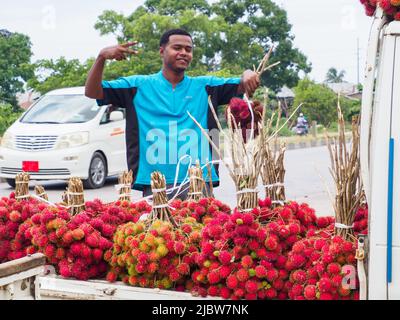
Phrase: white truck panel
x=379 y=170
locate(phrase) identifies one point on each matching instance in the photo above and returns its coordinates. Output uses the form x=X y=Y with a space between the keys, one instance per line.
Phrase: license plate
x=31 y=166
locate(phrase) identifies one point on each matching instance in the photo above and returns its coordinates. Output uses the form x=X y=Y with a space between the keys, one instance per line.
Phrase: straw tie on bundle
x=40 y=192
x=22 y=186
x=75 y=199
x=161 y=210
x=125 y=181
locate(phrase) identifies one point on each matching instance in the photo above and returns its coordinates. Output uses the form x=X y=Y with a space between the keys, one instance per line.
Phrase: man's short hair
x=165 y=37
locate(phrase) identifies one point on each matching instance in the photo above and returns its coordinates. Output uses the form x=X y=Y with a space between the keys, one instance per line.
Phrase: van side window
x=106 y=116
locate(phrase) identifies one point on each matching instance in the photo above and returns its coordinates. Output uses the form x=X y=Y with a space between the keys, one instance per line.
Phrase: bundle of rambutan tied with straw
x=197 y=186
x=346 y=174
x=125 y=181
x=161 y=210
x=22 y=186
x=40 y=192
x=273 y=169
x=74 y=196
x=245 y=149
x=246 y=160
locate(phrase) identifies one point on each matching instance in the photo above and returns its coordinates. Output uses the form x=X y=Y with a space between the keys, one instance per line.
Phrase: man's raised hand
x=118 y=52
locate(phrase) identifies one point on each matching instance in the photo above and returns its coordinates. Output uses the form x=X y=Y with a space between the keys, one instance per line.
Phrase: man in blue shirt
x=159 y=131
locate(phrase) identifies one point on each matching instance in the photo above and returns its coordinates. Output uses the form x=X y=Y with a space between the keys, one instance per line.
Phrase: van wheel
x=97 y=172
x=11 y=182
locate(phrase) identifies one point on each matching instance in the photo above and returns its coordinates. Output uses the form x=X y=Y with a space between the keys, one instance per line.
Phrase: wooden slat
x=58 y=288
x=23 y=264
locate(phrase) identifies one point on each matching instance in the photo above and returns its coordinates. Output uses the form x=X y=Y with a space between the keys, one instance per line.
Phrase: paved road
x=307 y=180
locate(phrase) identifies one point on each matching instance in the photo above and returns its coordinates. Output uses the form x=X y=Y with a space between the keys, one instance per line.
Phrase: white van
x=65 y=134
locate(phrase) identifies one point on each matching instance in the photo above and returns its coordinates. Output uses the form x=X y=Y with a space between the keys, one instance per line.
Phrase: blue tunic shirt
x=159 y=130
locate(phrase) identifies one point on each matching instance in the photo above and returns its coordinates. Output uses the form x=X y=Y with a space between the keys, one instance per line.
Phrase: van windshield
x=62 y=109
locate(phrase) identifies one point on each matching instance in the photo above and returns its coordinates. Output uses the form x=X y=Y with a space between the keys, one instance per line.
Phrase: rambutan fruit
x=298 y=247
x=299 y=276
x=15 y=216
x=278 y=284
x=239 y=292
x=232 y=282
x=183 y=268
x=225 y=271
x=325 y=296
x=251 y=286
x=140 y=268
x=97 y=254
x=272 y=275
x=213 y=277
x=213 y=291
x=242 y=275
x=174 y=275
x=322 y=222
x=65 y=271
x=271 y=244
x=246 y=262
x=334 y=268
x=224 y=257
x=179 y=247
x=78 y=234
x=296 y=290
x=324 y=285
x=225 y=293
x=347 y=246
x=271 y=293
x=104 y=244
x=344 y=292
x=260 y=271
x=92 y=240
x=60 y=253
x=327 y=258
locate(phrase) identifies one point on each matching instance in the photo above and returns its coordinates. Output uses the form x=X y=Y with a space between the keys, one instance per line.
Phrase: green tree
x=15 y=67
x=8 y=115
x=335 y=76
x=230 y=35
x=60 y=73
x=320 y=102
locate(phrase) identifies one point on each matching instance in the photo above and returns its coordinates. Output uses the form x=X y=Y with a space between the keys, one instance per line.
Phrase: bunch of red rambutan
x=361 y=220
x=203 y=210
x=322 y=269
x=241 y=116
x=76 y=245
x=390 y=7
x=14 y=221
x=154 y=257
x=233 y=259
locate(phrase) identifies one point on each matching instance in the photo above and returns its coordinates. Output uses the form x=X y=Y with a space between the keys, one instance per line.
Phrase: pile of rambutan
x=14 y=219
x=155 y=256
x=390 y=7
x=241 y=116
x=76 y=245
x=318 y=269
x=203 y=210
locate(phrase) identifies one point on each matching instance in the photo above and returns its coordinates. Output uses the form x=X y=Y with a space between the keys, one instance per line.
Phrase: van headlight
x=72 y=140
x=7 y=141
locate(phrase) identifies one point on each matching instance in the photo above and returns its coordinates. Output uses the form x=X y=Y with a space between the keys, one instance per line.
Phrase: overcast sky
x=325 y=31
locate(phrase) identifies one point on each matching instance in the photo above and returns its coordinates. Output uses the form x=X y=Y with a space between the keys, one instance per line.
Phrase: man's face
x=177 y=53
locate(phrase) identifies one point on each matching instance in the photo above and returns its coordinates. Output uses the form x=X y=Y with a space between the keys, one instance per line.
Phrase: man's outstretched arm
x=93 y=86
